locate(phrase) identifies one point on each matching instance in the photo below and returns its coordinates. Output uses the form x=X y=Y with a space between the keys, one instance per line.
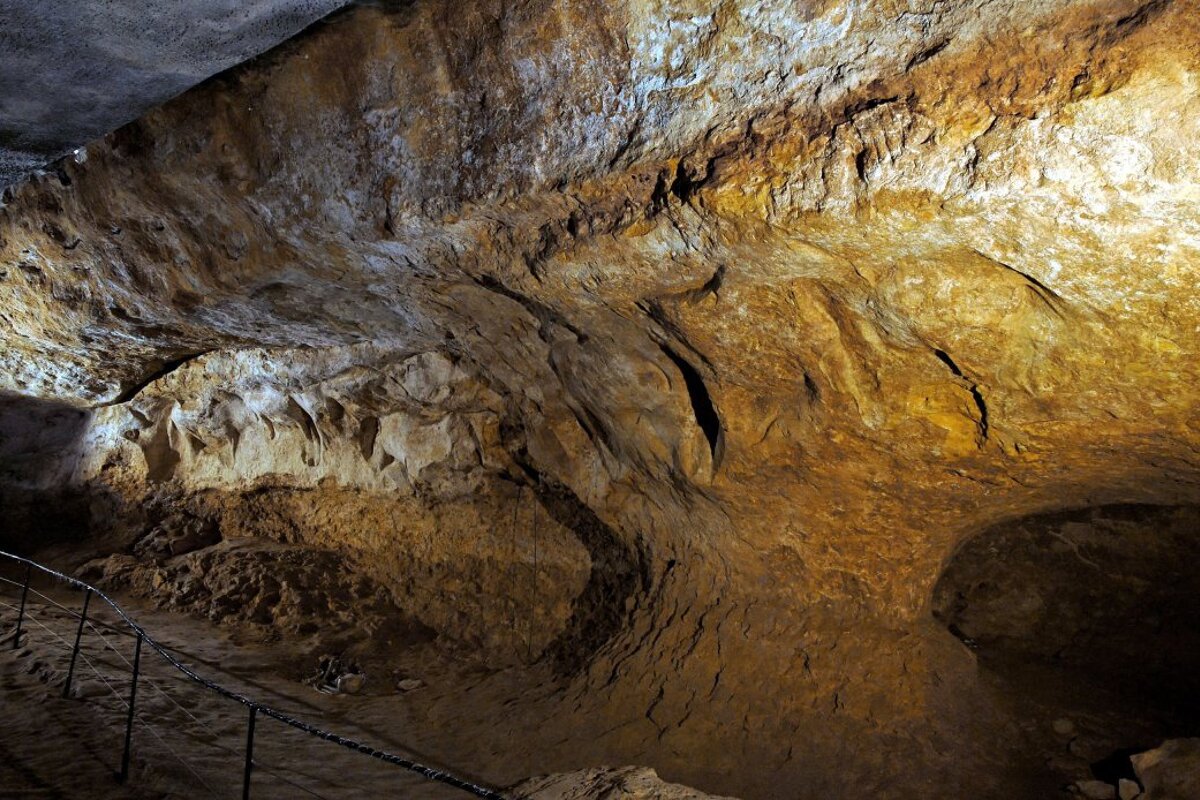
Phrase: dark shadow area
x=619 y=572
x=1086 y=624
x=705 y=412
x=1116 y=767
x=39 y=449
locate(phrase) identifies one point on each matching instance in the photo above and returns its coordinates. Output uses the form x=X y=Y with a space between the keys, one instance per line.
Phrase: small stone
x=409 y=684
x=351 y=683
x=1064 y=727
x=1127 y=789
x=85 y=689
x=1097 y=790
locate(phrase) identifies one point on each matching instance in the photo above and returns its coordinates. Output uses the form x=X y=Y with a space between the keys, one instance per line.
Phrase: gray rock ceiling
x=73 y=71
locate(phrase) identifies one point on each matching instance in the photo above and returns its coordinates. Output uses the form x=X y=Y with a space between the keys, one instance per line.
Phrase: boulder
x=1170 y=771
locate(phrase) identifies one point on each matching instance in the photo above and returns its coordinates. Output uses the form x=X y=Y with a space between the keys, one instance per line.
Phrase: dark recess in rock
x=702 y=405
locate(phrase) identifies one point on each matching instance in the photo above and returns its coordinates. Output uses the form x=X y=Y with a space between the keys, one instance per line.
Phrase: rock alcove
x=1087 y=617
x=797 y=398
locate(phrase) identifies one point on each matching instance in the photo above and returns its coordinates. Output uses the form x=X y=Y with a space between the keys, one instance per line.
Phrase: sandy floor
x=188 y=741
x=496 y=727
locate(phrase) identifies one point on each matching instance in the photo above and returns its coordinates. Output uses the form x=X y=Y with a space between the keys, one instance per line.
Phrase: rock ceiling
x=71 y=72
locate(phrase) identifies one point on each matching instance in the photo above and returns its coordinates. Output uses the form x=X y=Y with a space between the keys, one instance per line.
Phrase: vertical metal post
x=137 y=663
x=21 y=613
x=249 y=754
x=87 y=598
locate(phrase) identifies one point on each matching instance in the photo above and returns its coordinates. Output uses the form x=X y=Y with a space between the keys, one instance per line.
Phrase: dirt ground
x=188 y=741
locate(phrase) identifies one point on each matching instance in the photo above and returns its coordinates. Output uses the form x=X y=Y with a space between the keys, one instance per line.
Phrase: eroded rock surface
x=675 y=346
x=625 y=783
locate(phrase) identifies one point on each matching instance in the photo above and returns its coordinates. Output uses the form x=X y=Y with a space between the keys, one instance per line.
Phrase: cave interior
x=657 y=399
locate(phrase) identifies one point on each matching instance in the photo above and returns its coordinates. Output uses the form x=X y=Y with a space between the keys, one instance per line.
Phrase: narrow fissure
x=980 y=403
x=702 y=406
x=167 y=367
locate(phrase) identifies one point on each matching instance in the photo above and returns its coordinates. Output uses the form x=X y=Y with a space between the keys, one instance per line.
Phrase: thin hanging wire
x=512 y=566
x=533 y=595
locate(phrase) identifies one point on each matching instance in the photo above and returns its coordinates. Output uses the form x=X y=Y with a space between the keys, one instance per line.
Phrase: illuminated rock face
x=677 y=348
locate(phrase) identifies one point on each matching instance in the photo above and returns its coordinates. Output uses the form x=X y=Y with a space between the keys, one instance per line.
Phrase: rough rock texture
x=1170 y=772
x=625 y=783
x=676 y=346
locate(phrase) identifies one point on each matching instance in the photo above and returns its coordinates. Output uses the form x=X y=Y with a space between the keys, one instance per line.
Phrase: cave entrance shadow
x=1089 y=620
x=40 y=446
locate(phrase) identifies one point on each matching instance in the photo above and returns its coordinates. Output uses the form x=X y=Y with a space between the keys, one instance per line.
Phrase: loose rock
x=1097 y=790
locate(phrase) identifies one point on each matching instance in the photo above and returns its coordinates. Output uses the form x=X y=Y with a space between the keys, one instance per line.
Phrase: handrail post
x=21 y=613
x=137 y=662
x=254 y=707
x=87 y=598
x=249 y=754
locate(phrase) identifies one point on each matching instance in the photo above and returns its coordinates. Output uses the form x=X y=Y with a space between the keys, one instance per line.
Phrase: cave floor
x=496 y=726
x=1077 y=727
x=52 y=748
x=189 y=741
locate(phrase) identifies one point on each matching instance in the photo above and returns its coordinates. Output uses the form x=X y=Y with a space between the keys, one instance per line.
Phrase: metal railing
x=253 y=707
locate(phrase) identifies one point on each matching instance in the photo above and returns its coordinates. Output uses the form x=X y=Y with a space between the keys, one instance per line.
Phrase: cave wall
x=41 y=445
x=755 y=312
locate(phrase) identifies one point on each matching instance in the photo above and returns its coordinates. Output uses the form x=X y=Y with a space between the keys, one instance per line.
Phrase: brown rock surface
x=677 y=348
x=1171 y=771
x=624 y=783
